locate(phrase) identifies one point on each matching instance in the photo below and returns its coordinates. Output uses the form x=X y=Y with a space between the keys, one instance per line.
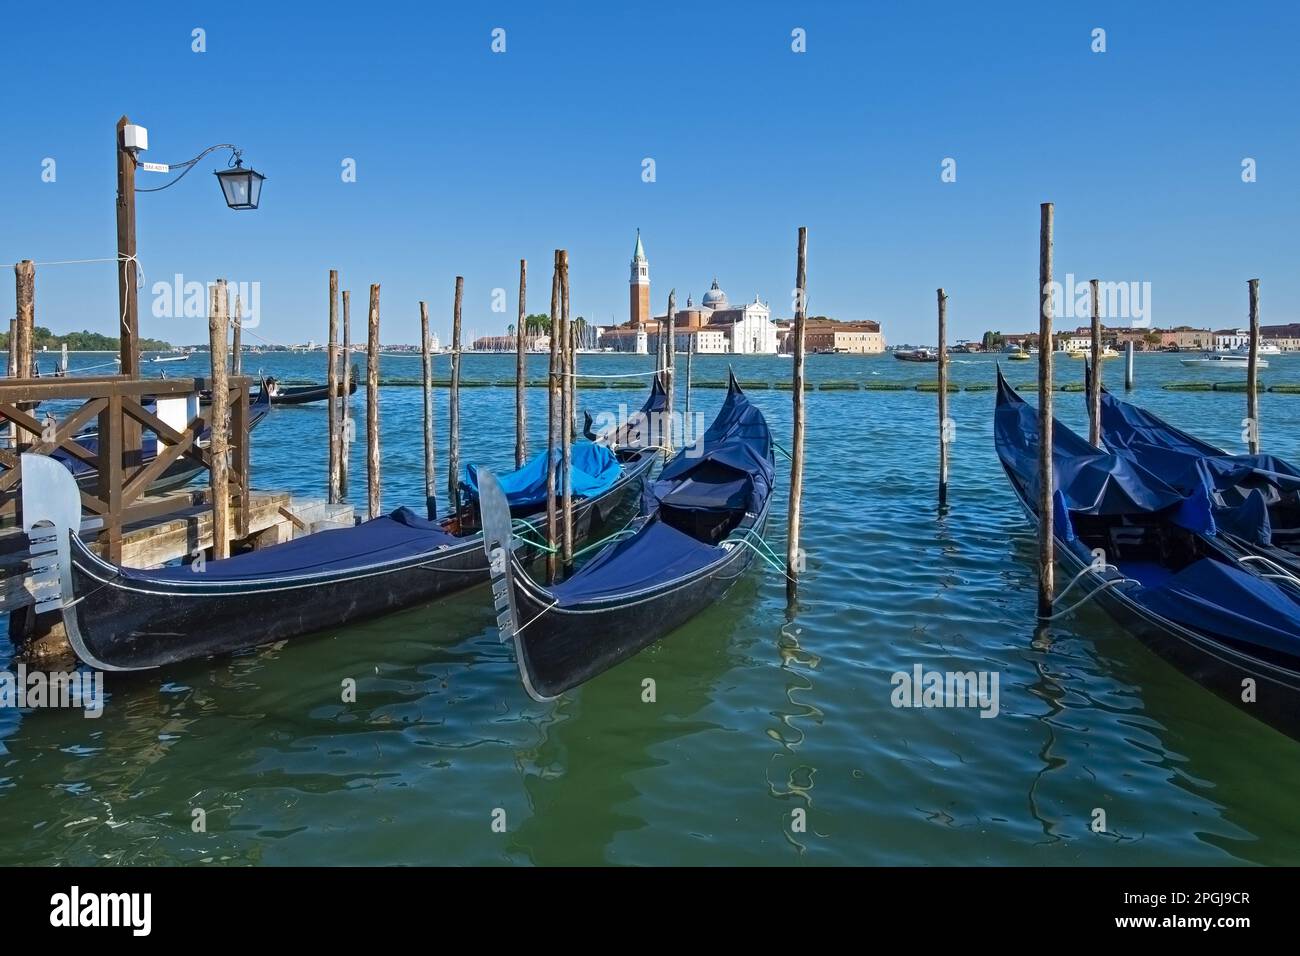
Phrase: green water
x=759 y=713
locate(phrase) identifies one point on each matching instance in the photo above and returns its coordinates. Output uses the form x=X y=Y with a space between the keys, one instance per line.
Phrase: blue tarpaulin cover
x=402 y=534
x=1214 y=598
x=595 y=469
x=1207 y=596
x=655 y=554
x=732 y=469
x=1184 y=461
x=1088 y=480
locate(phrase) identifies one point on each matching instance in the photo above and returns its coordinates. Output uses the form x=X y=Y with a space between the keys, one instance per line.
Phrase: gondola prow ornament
x=498 y=538
x=51 y=515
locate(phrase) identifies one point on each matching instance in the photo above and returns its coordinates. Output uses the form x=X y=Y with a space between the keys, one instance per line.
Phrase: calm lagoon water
x=759 y=712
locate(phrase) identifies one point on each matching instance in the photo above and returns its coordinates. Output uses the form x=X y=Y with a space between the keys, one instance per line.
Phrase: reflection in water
x=581 y=775
x=798 y=784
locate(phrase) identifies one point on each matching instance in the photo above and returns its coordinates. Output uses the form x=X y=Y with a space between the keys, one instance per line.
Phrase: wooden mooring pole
x=373 y=497
x=331 y=388
x=944 y=426
x=1046 y=523
x=1128 y=366
x=1094 y=380
x=574 y=430
x=521 y=372
x=346 y=429
x=237 y=339
x=690 y=350
x=25 y=327
x=219 y=446
x=552 y=424
x=426 y=366
x=670 y=324
x=566 y=417
x=793 y=553
x=1252 y=372
x=25 y=295
x=453 y=404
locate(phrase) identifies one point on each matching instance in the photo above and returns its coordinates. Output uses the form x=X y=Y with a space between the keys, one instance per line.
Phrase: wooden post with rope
x=1046 y=515
x=552 y=423
x=426 y=381
x=373 y=495
x=219 y=444
x=331 y=389
x=793 y=554
x=521 y=372
x=453 y=404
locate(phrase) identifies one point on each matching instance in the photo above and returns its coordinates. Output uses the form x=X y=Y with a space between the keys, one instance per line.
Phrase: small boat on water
x=1264 y=349
x=1018 y=356
x=696 y=534
x=306 y=394
x=1148 y=553
x=300 y=394
x=1106 y=353
x=917 y=355
x=168 y=358
x=1223 y=361
x=120 y=618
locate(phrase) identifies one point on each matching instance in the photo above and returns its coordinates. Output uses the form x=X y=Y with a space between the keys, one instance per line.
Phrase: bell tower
x=639 y=287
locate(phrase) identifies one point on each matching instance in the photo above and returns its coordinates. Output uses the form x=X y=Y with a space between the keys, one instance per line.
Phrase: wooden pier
x=137 y=509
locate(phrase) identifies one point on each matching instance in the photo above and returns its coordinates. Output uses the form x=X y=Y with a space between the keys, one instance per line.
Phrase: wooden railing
x=114 y=488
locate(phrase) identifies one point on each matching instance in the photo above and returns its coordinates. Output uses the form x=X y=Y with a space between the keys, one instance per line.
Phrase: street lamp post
x=128 y=298
x=242 y=189
x=240 y=186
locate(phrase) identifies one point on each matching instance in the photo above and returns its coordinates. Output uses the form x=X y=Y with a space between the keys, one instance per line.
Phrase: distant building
x=1286 y=337
x=822 y=334
x=713 y=326
x=1225 y=340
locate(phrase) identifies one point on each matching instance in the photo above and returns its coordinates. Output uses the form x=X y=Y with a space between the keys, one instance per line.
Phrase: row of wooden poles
x=1044 y=504
x=226 y=360
x=562 y=403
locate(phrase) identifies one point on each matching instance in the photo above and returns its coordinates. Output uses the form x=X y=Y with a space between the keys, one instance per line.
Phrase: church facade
x=714 y=326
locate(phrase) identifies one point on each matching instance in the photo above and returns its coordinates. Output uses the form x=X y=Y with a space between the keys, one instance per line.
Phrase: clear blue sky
x=468 y=160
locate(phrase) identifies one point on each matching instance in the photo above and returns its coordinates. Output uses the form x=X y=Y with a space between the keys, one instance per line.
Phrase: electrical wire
x=189 y=164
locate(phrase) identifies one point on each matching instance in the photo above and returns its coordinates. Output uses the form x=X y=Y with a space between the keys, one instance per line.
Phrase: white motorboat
x=1223 y=361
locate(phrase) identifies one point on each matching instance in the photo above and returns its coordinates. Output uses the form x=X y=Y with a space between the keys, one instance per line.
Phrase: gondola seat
x=390 y=538
x=658 y=553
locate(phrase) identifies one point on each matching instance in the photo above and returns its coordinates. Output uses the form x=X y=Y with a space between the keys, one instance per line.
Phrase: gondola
x=1148 y=554
x=692 y=539
x=120 y=618
x=1255 y=498
x=305 y=394
x=298 y=394
x=917 y=355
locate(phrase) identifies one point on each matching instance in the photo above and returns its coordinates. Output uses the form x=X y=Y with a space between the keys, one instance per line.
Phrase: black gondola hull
x=1216 y=666
x=559 y=648
x=132 y=623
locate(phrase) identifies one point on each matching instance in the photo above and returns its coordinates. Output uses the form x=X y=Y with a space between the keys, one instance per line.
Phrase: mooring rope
x=1091 y=594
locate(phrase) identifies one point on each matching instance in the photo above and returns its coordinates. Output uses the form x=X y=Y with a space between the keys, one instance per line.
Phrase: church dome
x=715 y=298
